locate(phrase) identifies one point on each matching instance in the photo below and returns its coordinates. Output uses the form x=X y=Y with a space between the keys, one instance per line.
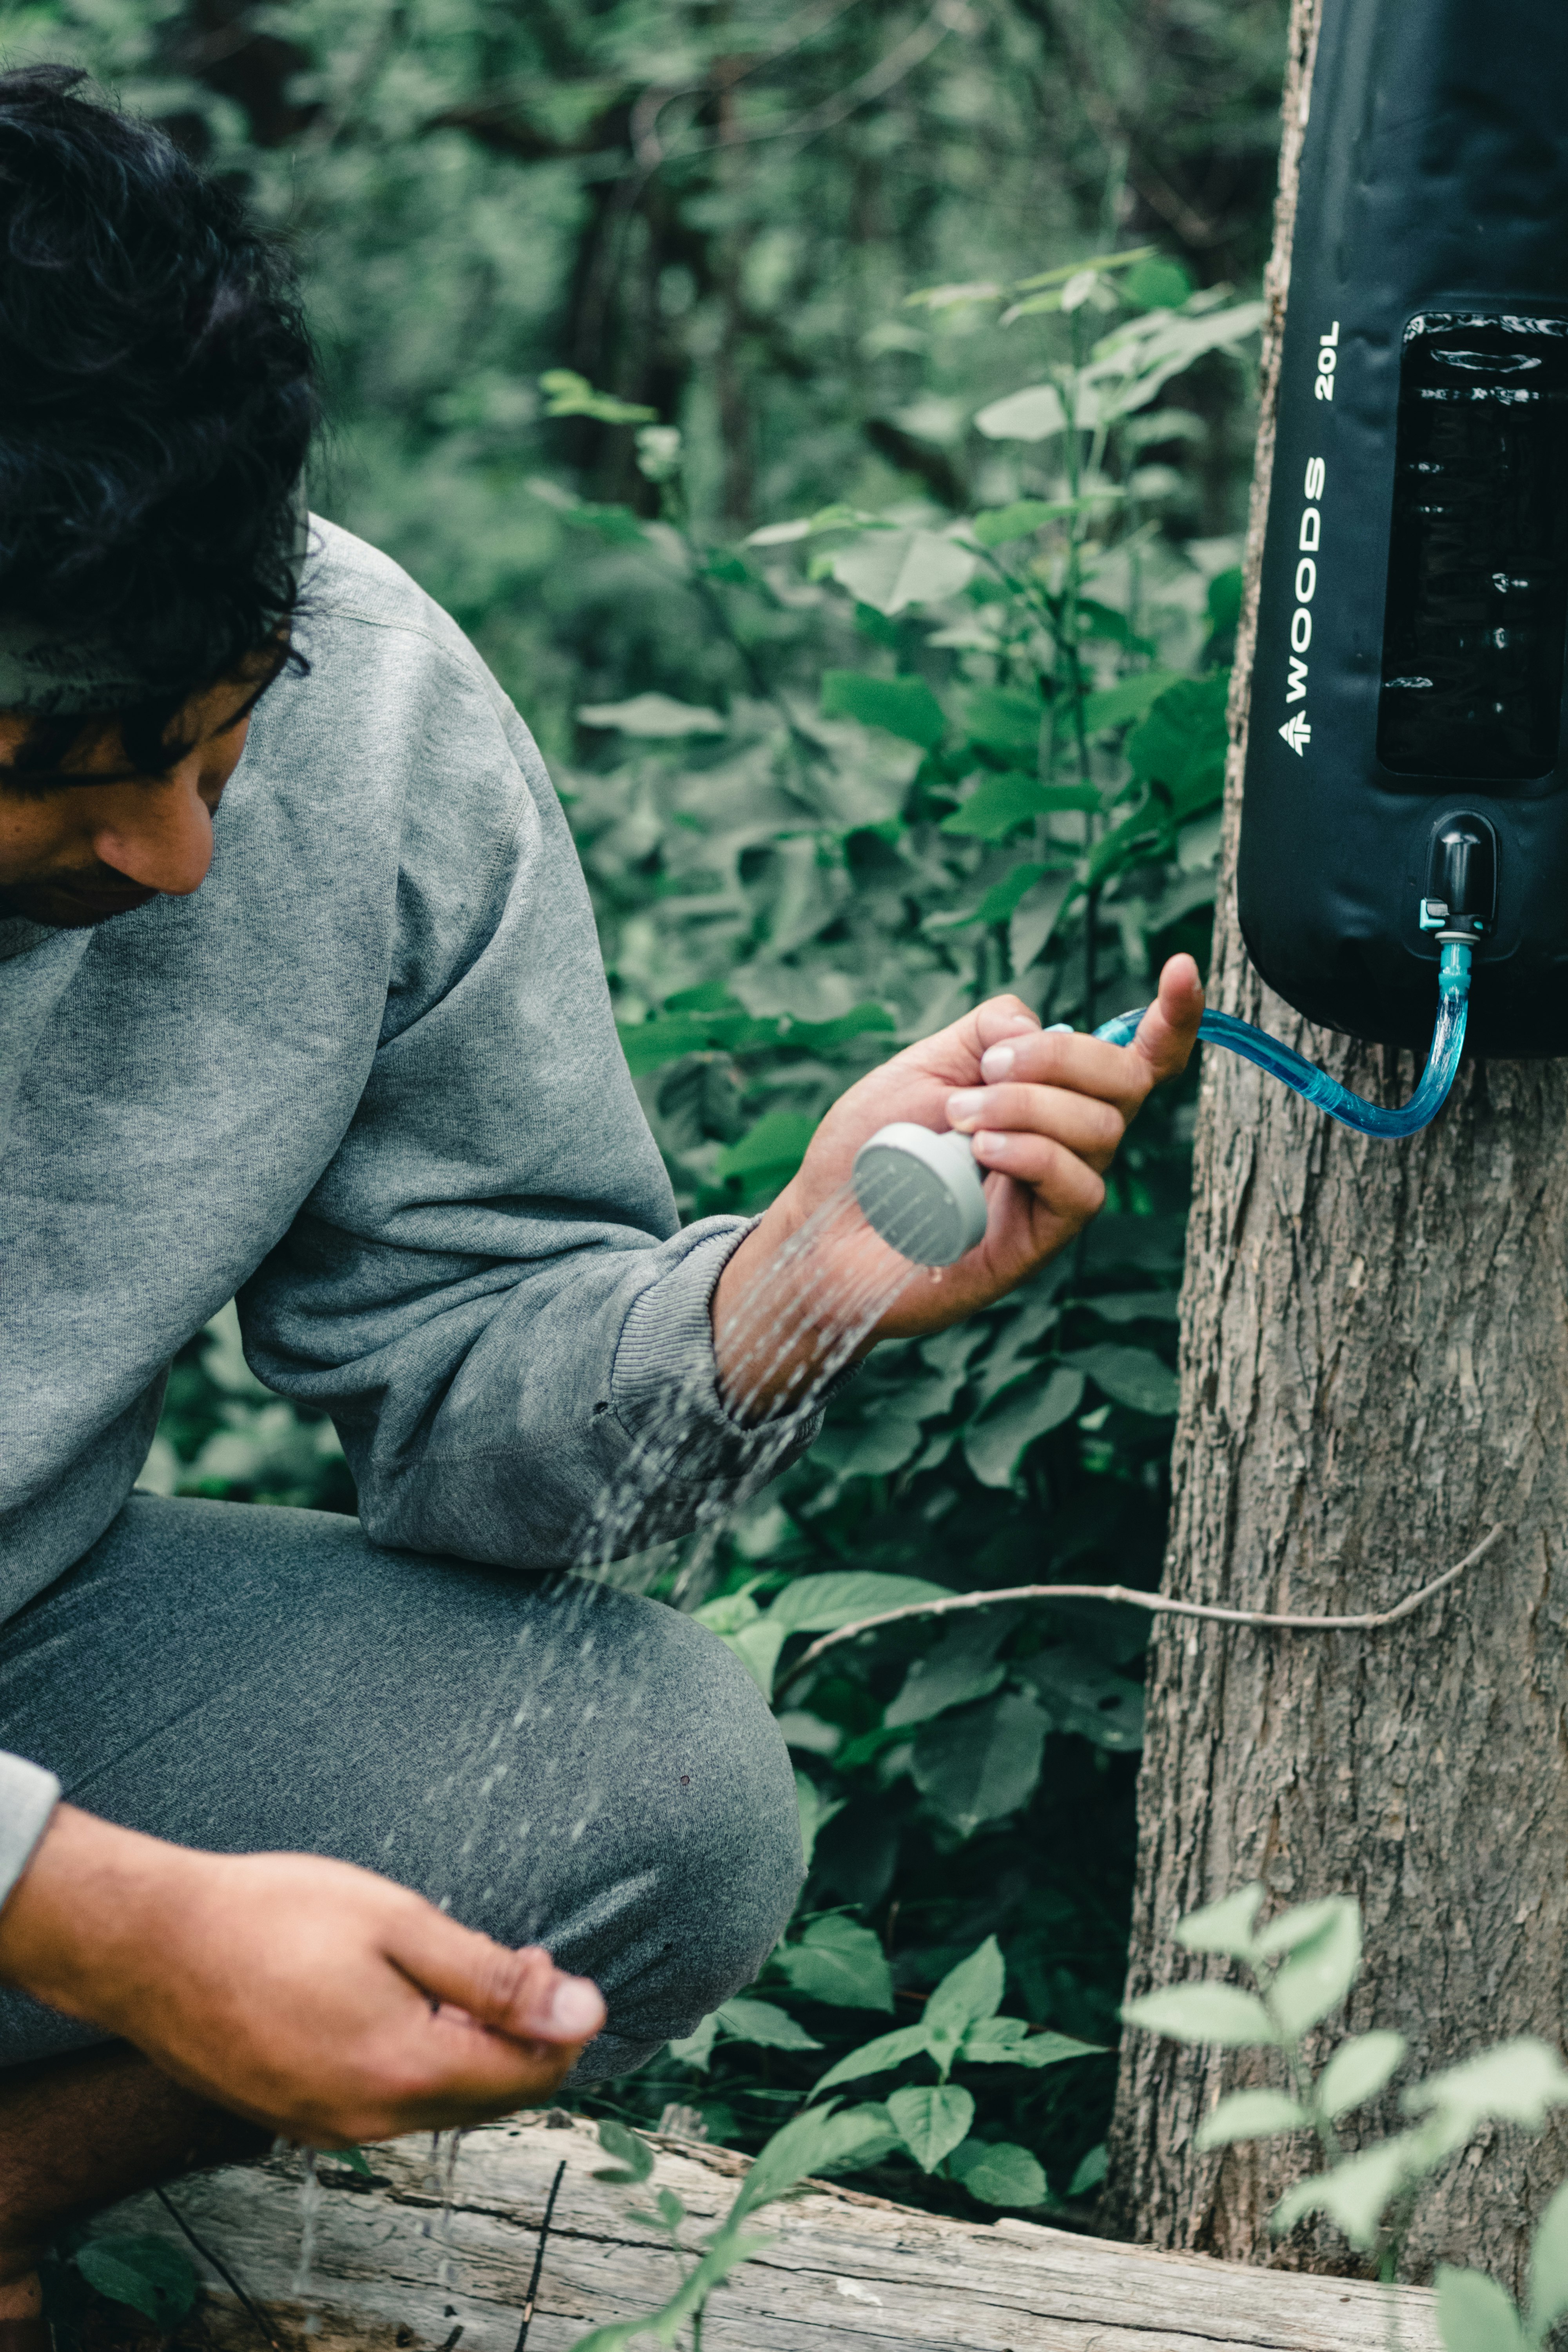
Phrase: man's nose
x=163 y=839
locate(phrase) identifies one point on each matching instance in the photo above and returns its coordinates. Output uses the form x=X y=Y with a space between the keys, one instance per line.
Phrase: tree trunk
x=1373 y=1371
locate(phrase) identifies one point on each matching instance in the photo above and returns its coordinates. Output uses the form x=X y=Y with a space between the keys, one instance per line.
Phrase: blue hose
x=1315 y=1086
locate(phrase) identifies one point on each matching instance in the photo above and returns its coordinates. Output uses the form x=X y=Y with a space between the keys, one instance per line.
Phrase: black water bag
x=1406 y=768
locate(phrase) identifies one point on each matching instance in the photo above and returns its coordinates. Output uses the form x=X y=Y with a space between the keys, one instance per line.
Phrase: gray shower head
x=921 y=1192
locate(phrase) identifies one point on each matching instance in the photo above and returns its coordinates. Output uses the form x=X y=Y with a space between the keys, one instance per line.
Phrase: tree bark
x=1374 y=1363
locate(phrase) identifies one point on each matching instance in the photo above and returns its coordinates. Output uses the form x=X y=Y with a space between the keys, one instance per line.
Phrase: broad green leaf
x=654 y=717
x=567 y=393
x=1129 y=698
x=1320 y=1972
x=816 y=1811
x=1356 y=2193
x=1030 y=415
x=1036 y=2050
x=671 y=2211
x=1034 y=919
x=1130 y=1376
x=1092 y=2169
x=996 y=1444
x=1001 y=802
x=820 y=1604
x=696 y=2049
x=634 y=2158
x=1220 y=2013
x=1223 y=1926
x=838 y=1962
x=1002 y=720
x=1518 y=2082
x=996 y=525
x=809 y=2143
x=152 y=2277
x=998 y=2172
x=932 y=2118
x=979 y=1765
x=904 y=707
x=758 y=1646
x=1160 y=283
x=891 y=570
x=883 y=1444
x=1180 y=746
x=1084 y=1695
x=762 y=2022
x=1357 y=2072
x=1549 y=2267
x=1250 y=2115
x=956 y=1671
x=878 y=2057
x=968 y=1994
x=775 y=1147
x=1299 y=1925
x=1475 y=2314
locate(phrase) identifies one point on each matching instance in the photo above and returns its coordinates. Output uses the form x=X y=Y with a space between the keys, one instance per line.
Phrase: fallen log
x=430 y=2257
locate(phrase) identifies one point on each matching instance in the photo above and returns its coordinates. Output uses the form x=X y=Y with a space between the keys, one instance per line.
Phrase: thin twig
x=221 y=2267
x=539 y=2257
x=1157 y=1604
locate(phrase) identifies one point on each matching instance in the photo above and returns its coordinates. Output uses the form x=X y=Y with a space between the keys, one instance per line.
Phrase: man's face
x=94 y=838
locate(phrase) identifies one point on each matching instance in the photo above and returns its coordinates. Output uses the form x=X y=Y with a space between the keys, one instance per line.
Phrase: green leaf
x=1129 y=698
x=891 y=570
x=696 y=2049
x=816 y=1811
x=567 y=393
x=904 y=707
x=1549 y=2267
x=820 y=1604
x=633 y=2155
x=1250 y=2115
x=1135 y=1377
x=1085 y=1695
x=671 y=2211
x=998 y=2172
x=1033 y=415
x=1181 y=747
x=1225 y=1926
x=761 y=2023
x=1357 y=2072
x=955 y=1671
x=967 y=1996
x=1319 y=1971
x=977 y=1766
x=154 y=2278
x=932 y=2118
x=1001 y=803
x=995 y=526
x=1160 y=283
x=1220 y=2013
x=727 y=2251
x=838 y=1962
x=809 y=2143
x=1475 y=2314
x=878 y=2057
x=353 y=2157
x=1356 y=2193
x=655 y=718
x=773 y=1148
x=1092 y=2169
x=995 y=1443
x=1517 y=2083
x=1036 y=2050
x=1000 y=719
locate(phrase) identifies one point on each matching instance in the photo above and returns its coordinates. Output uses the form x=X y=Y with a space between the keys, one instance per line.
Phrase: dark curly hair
x=157 y=400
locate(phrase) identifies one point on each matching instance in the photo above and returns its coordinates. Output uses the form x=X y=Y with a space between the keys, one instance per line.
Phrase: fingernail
x=964 y=1105
x=575 y=2009
x=989 y=1141
x=996 y=1061
x=1059 y=1029
x=1020 y=1021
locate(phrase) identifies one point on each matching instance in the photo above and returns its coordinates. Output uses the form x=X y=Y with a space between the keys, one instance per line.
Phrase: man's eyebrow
x=36 y=779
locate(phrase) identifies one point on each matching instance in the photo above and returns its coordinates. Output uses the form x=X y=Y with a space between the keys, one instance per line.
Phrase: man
x=366 y=1826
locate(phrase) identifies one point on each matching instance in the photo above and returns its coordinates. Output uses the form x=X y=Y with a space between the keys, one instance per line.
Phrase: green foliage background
x=960 y=729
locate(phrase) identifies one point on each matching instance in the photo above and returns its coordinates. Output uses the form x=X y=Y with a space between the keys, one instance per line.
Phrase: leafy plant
x=146 y=2274
x=1303 y=1964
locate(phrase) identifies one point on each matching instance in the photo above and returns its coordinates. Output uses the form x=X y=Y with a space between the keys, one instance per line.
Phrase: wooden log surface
x=393 y=2267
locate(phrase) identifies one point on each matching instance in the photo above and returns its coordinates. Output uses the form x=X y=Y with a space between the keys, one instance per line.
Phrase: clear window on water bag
x=1478 y=558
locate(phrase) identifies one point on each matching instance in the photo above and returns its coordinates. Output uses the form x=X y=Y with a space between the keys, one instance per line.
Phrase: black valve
x=1461 y=879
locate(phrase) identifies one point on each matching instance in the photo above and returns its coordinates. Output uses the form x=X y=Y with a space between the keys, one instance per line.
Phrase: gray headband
x=57 y=676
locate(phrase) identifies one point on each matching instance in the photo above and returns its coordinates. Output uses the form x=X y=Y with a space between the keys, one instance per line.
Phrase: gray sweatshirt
x=367 y=1079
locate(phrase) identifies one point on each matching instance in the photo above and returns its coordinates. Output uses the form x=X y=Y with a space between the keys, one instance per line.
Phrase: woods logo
x=1296 y=730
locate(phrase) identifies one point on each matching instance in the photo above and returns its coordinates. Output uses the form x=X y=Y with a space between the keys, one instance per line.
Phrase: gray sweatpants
x=552 y=1761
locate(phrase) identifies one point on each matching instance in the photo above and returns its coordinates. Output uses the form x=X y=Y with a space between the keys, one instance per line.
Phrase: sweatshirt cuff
x=665 y=1385
x=29 y=1796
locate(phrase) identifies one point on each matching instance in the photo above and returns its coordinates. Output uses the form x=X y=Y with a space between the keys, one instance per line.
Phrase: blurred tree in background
x=872 y=685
